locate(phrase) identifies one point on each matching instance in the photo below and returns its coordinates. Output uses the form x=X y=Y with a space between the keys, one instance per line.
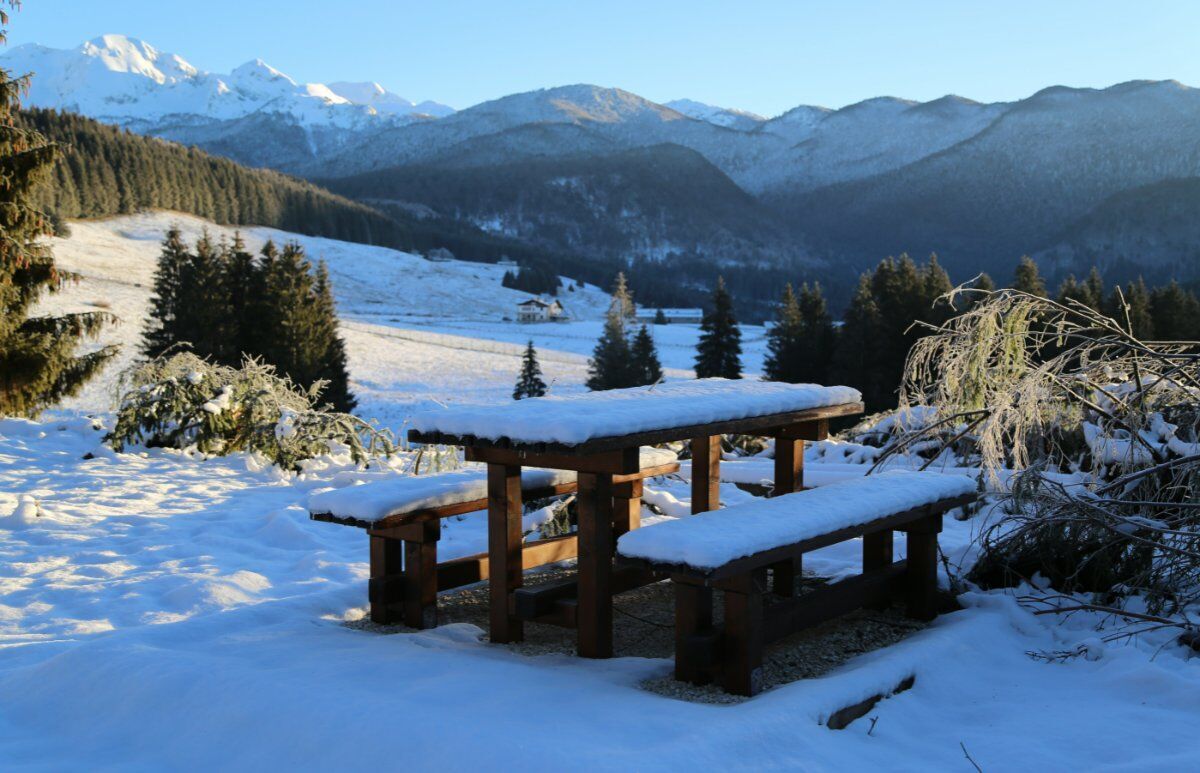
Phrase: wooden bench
x=403 y=515
x=735 y=550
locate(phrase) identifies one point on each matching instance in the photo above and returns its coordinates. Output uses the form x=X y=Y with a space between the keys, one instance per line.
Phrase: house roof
x=533 y=302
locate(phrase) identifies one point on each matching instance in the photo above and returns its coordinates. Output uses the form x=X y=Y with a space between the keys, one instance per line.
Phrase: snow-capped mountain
x=119 y=79
x=730 y=118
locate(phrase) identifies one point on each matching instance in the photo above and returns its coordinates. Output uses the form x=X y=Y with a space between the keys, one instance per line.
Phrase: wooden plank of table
x=594 y=507
x=504 y=549
x=623 y=461
x=706 y=473
x=744 y=426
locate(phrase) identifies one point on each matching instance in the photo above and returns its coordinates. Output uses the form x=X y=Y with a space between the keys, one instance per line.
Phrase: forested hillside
x=103 y=170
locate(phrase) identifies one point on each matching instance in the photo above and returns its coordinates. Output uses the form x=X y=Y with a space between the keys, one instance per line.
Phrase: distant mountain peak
x=126 y=80
x=728 y=117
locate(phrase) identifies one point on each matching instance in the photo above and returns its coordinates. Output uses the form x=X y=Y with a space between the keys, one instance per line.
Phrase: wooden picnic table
x=598 y=435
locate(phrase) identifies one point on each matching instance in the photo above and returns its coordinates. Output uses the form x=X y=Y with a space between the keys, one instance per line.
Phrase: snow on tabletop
x=379 y=499
x=577 y=419
x=715 y=538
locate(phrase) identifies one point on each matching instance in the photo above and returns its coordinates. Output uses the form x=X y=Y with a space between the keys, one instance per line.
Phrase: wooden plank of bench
x=649 y=438
x=437 y=513
x=784 y=618
x=897 y=521
x=471 y=569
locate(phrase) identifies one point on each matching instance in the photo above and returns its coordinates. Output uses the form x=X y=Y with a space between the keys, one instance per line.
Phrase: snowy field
x=159 y=611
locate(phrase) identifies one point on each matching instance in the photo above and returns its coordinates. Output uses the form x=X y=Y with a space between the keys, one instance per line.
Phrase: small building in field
x=685 y=316
x=537 y=310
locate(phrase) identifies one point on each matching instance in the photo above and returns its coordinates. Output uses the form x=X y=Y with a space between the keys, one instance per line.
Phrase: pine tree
x=816 y=340
x=644 y=359
x=660 y=318
x=1176 y=313
x=38 y=361
x=1131 y=309
x=719 y=352
x=329 y=349
x=783 y=341
x=1094 y=290
x=1027 y=279
x=856 y=359
x=610 y=366
x=529 y=383
x=622 y=299
x=162 y=331
x=243 y=282
x=203 y=314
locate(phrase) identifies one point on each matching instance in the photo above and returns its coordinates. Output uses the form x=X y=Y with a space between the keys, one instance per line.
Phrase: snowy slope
x=418 y=333
x=124 y=80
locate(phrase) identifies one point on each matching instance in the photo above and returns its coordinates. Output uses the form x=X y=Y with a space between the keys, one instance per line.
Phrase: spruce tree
x=660 y=318
x=856 y=359
x=610 y=366
x=816 y=340
x=328 y=347
x=1027 y=278
x=719 y=352
x=1176 y=313
x=203 y=313
x=38 y=361
x=1094 y=290
x=529 y=383
x=646 y=368
x=622 y=299
x=162 y=331
x=243 y=282
x=783 y=340
x=1131 y=309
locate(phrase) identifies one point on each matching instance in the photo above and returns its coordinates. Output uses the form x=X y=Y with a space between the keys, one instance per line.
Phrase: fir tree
x=622 y=299
x=1176 y=313
x=1027 y=279
x=856 y=359
x=783 y=340
x=329 y=348
x=38 y=360
x=719 y=351
x=203 y=313
x=529 y=383
x=1094 y=290
x=644 y=359
x=660 y=318
x=815 y=351
x=243 y=281
x=1131 y=309
x=162 y=331
x=610 y=366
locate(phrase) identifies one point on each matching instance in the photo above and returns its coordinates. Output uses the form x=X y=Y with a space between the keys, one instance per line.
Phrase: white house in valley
x=537 y=310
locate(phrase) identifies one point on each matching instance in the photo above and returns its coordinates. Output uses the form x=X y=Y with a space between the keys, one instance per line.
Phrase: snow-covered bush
x=181 y=401
x=1042 y=387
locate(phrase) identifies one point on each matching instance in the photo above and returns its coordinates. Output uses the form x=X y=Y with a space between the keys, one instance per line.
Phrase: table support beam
x=504 y=550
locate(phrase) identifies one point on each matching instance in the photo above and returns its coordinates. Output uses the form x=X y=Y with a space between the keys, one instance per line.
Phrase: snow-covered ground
x=159 y=611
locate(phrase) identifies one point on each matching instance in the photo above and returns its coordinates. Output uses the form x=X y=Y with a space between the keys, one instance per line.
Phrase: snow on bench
x=381 y=499
x=715 y=538
x=576 y=419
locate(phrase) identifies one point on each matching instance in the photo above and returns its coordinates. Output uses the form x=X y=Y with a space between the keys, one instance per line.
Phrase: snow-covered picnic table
x=598 y=435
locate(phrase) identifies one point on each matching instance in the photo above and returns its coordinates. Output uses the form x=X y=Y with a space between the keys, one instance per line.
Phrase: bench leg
x=877 y=554
x=595 y=616
x=386 y=588
x=921 y=574
x=504 y=550
x=742 y=651
x=627 y=507
x=420 y=575
x=693 y=618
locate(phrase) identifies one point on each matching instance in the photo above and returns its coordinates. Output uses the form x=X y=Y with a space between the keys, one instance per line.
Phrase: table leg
x=789 y=478
x=706 y=473
x=504 y=550
x=594 y=504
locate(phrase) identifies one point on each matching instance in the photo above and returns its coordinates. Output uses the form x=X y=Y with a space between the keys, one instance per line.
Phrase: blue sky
x=757 y=55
